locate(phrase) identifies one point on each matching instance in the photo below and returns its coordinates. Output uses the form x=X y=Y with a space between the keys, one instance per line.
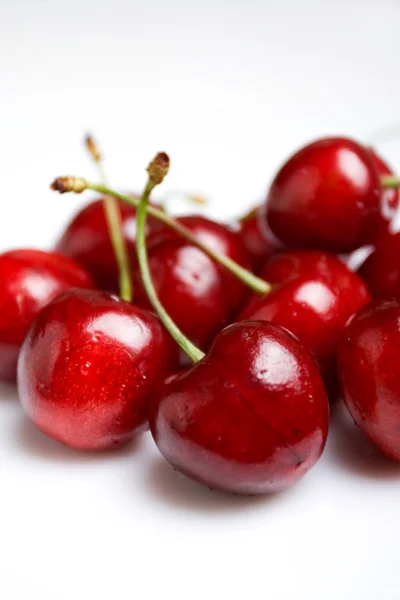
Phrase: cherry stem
x=390 y=182
x=260 y=286
x=191 y=350
x=114 y=224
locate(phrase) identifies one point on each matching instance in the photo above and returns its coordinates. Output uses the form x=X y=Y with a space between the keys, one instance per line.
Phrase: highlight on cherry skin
x=29 y=279
x=369 y=372
x=88 y=366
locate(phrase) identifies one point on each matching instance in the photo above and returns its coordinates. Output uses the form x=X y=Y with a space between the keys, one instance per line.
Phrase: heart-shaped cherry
x=369 y=373
x=30 y=279
x=314 y=296
x=87 y=367
x=326 y=197
x=199 y=294
x=249 y=417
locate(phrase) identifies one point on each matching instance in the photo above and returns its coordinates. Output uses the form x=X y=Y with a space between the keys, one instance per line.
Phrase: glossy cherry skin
x=314 y=297
x=326 y=197
x=369 y=373
x=30 y=279
x=389 y=198
x=200 y=295
x=86 y=240
x=381 y=270
x=87 y=367
x=249 y=418
x=258 y=240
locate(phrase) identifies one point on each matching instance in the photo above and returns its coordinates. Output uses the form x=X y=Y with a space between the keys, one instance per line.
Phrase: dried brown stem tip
x=69 y=184
x=93 y=148
x=198 y=199
x=158 y=168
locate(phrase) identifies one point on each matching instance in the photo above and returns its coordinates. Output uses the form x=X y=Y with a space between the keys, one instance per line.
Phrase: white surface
x=228 y=88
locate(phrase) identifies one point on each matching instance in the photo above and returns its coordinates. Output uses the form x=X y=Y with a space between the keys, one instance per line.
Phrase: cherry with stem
x=236 y=420
x=114 y=224
x=157 y=170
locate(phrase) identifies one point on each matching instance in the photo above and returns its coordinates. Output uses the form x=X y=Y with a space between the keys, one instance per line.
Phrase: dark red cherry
x=258 y=240
x=389 y=197
x=381 y=270
x=86 y=239
x=369 y=373
x=87 y=367
x=314 y=296
x=199 y=295
x=30 y=279
x=326 y=197
x=251 y=417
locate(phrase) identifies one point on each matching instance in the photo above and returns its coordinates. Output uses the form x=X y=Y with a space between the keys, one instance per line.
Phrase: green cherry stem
x=390 y=182
x=157 y=169
x=78 y=185
x=114 y=224
x=252 y=281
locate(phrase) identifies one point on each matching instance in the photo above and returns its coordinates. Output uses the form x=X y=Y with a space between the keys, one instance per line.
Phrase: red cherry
x=87 y=240
x=30 y=279
x=326 y=196
x=250 y=417
x=369 y=373
x=87 y=367
x=200 y=295
x=258 y=240
x=381 y=270
x=316 y=297
x=389 y=197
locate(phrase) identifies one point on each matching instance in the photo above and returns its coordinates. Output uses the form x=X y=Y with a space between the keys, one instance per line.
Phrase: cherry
x=369 y=372
x=258 y=240
x=250 y=417
x=87 y=240
x=30 y=279
x=200 y=295
x=326 y=197
x=381 y=270
x=314 y=297
x=87 y=367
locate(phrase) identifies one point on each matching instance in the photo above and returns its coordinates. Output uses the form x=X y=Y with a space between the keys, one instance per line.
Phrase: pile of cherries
x=267 y=310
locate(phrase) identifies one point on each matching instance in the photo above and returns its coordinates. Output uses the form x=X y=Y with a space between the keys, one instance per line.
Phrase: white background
x=228 y=88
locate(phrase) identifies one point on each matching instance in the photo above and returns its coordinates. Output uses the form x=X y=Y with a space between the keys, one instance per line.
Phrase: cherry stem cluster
x=191 y=350
x=246 y=277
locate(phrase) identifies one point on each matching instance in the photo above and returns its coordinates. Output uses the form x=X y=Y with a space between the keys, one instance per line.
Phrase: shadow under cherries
x=36 y=443
x=171 y=487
